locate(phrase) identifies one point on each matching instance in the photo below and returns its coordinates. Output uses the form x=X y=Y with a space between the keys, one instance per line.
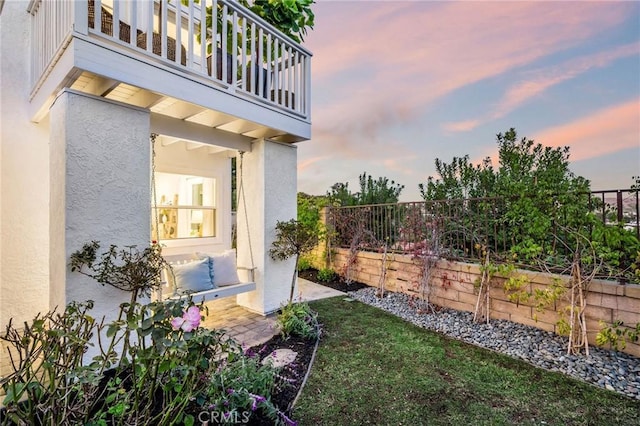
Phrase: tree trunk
x=293 y=279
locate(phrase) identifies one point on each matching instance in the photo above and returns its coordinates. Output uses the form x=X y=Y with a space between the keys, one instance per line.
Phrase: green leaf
x=112 y=329
x=13 y=394
x=147 y=323
x=189 y=420
x=165 y=366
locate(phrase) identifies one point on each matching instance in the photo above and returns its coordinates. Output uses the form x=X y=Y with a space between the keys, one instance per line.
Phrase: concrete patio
x=249 y=328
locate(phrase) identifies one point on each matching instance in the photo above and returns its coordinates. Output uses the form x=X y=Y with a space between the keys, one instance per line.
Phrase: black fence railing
x=621 y=206
x=539 y=232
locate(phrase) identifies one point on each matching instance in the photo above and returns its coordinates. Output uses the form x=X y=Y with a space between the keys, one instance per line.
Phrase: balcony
x=210 y=63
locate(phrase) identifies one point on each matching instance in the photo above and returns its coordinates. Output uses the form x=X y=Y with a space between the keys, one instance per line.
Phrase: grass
x=374 y=368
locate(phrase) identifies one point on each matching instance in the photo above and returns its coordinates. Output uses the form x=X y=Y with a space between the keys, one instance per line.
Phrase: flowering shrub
x=243 y=386
x=156 y=364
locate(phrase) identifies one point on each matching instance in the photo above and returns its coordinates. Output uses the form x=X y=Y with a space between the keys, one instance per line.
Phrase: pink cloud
x=382 y=63
x=461 y=126
x=604 y=132
x=399 y=164
x=310 y=161
x=549 y=77
x=541 y=80
x=457 y=42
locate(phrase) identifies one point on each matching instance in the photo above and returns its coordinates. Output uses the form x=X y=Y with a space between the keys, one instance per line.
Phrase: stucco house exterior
x=85 y=83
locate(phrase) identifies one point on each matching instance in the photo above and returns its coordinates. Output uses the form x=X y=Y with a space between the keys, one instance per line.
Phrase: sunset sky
x=397 y=84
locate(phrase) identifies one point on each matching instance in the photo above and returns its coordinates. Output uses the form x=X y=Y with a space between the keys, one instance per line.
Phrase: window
x=186 y=207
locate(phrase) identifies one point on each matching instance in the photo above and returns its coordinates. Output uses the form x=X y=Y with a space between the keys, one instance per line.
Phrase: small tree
x=293 y=238
x=309 y=211
x=340 y=195
x=536 y=187
x=372 y=191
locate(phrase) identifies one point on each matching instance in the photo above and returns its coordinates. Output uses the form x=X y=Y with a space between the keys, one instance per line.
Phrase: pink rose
x=190 y=320
x=177 y=322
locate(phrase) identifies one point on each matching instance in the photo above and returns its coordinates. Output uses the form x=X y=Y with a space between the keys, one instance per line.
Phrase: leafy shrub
x=46 y=358
x=298 y=319
x=244 y=385
x=617 y=335
x=304 y=263
x=156 y=365
x=309 y=207
x=616 y=247
x=293 y=238
x=326 y=275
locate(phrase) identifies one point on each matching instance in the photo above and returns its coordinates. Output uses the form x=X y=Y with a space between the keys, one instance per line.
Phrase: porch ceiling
x=96 y=85
x=195 y=146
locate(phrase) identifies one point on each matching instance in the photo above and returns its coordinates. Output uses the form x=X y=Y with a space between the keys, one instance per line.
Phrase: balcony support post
x=269 y=185
x=98 y=191
x=81 y=17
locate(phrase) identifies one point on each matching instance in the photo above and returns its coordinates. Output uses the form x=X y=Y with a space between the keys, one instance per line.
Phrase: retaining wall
x=452 y=286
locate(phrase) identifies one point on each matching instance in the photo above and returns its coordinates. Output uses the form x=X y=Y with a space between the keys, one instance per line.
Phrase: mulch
x=294 y=373
x=291 y=376
x=337 y=283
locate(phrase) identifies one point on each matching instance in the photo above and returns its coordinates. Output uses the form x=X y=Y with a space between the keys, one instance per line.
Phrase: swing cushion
x=193 y=277
x=187 y=271
x=223 y=267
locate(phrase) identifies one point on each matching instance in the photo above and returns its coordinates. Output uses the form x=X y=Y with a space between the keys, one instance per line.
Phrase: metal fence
x=617 y=206
x=526 y=230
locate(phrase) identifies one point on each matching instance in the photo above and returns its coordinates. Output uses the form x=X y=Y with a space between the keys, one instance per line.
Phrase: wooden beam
x=100 y=86
x=211 y=118
x=192 y=146
x=264 y=132
x=168 y=126
x=145 y=99
x=216 y=150
x=168 y=140
x=183 y=110
x=240 y=126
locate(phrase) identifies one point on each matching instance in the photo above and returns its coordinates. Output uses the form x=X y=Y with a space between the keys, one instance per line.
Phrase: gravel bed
x=607 y=369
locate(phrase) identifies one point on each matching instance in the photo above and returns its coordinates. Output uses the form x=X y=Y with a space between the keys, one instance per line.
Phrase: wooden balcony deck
x=152 y=55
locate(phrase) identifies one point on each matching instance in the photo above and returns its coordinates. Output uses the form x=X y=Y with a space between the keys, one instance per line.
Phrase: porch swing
x=194 y=274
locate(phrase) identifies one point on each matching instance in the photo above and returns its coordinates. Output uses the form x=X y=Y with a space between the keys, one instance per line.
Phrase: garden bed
x=336 y=283
x=292 y=374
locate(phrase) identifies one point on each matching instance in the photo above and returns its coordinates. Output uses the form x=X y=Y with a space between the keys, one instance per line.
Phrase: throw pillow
x=224 y=267
x=193 y=276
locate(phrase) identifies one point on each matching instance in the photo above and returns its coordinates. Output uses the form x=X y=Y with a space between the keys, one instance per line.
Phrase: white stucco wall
x=24 y=179
x=100 y=178
x=176 y=158
x=270 y=177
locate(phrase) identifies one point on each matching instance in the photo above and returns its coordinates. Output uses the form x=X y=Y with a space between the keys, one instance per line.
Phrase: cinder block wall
x=452 y=286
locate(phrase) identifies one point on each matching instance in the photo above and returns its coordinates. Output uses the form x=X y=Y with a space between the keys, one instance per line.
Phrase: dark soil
x=337 y=283
x=292 y=375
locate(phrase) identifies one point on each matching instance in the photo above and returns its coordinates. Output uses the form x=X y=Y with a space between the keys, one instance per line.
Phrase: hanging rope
x=244 y=207
x=153 y=187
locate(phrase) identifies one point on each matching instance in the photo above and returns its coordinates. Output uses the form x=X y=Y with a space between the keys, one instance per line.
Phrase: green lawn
x=374 y=368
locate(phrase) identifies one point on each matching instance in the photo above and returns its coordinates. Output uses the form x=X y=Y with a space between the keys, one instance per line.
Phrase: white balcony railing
x=251 y=57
